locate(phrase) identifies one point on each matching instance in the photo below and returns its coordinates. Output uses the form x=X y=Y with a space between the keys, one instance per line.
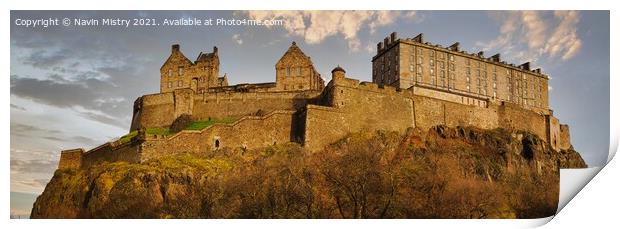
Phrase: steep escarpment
x=437 y=173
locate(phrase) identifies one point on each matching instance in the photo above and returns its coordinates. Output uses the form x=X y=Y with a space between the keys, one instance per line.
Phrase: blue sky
x=75 y=86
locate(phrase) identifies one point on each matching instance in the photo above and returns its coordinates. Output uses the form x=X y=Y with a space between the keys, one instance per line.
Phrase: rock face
x=438 y=173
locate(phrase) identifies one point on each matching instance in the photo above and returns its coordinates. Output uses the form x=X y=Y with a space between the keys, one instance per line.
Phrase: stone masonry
x=300 y=108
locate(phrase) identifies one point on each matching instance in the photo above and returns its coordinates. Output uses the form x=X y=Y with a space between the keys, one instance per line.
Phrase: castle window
x=432 y=72
x=443 y=74
x=180 y=83
x=432 y=62
x=169 y=72
x=432 y=53
x=468 y=89
x=419 y=78
x=419 y=69
x=299 y=71
x=169 y=84
x=452 y=67
x=468 y=61
x=411 y=69
x=441 y=56
x=217 y=143
x=420 y=60
x=451 y=58
x=441 y=65
x=180 y=71
x=288 y=71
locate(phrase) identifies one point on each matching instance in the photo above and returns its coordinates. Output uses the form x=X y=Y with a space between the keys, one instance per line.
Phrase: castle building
x=294 y=72
x=412 y=62
x=414 y=85
x=180 y=72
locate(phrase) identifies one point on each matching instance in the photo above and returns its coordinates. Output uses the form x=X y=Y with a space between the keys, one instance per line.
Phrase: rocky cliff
x=437 y=173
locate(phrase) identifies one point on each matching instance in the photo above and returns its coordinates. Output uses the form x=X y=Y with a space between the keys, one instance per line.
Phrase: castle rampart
x=299 y=108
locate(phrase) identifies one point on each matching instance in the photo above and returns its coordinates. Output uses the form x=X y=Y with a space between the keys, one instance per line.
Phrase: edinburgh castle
x=415 y=84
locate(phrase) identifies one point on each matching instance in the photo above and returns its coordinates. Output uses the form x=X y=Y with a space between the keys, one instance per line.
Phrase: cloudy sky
x=75 y=86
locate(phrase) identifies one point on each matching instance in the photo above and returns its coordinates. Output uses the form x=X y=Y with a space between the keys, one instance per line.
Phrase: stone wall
x=351 y=106
x=160 y=110
x=71 y=159
x=354 y=107
x=564 y=137
x=112 y=152
x=553 y=132
x=248 y=132
x=239 y=104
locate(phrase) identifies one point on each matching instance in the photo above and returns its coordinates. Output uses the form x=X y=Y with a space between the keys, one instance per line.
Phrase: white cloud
x=316 y=26
x=564 y=40
x=529 y=35
x=237 y=38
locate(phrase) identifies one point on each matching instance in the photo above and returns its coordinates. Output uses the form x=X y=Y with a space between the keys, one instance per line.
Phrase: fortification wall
x=248 y=132
x=354 y=106
x=112 y=152
x=239 y=104
x=564 y=137
x=155 y=110
x=357 y=107
x=514 y=117
x=553 y=132
x=70 y=159
x=431 y=112
x=160 y=110
x=324 y=125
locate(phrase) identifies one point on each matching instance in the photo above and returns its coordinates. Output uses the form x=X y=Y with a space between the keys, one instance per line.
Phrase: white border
x=579 y=213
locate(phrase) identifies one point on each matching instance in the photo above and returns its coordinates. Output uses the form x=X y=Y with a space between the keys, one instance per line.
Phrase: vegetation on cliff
x=439 y=173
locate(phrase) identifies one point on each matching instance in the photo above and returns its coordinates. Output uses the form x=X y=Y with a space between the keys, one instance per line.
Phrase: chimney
x=455 y=46
x=419 y=38
x=386 y=41
x=538 y=70
x=525 y=66
x=176 y=48
x=379 y=47
x=393 y=37
x=480 y=54
x=496 y=58
x=214 y=49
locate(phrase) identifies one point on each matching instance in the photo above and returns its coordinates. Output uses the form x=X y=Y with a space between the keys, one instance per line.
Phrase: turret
x=338 y=73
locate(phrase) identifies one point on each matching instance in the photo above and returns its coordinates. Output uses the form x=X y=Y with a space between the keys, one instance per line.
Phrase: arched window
x=217 y=143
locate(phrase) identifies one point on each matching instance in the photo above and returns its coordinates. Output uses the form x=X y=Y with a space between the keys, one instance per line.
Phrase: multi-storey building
x=411 y=62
